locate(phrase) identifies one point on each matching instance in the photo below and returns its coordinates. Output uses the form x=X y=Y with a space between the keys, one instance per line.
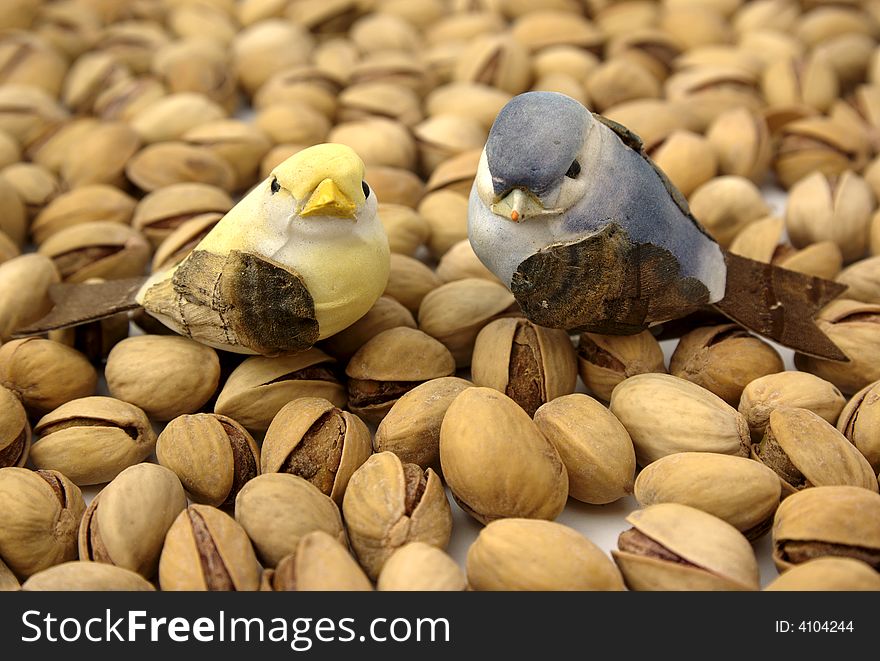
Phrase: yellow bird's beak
x=328 y=200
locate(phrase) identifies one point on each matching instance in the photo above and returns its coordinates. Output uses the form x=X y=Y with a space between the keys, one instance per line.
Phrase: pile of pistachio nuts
x=127 y=130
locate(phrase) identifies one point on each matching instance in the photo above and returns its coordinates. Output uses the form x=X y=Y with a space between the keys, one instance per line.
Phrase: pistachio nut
x=378 y=141
x=324 y=16
x=35 y=185
x=720 y=55
x=28 y=113
x=618 y=80
x=388 y=504
x=313 y=439
x=454 y=313
x=827 y=573
x=173 y=115
x=385 y=314
x=242 y=145
x=806 y=451
x=810 y=81
x=278 y=509
x=677 y=547
x=207 y=550
x=258 y=388
x=495 y=60
x=711 y=90
x=525 y=554
x=14 y=222
x=380 y=99
x=406 y=229
x=529 y=363
x=87 y=576
x=725 y=205
x=822 y=259
x=26 y=58
x=838 y=521
x=705 y=422
x=100 y=156
x=164 y=375
x=51 y=149
x=788 y=389
x=544 y=27
x=446 y=213
x=24 y=291
x=126 y=523
x=653 y=119
x=606 y=360
x=89 y=75
x=464 y=26
x=859 y=423
x=45 y=374
x=741 y=140
x=409 y=281
x=392 y=67
x=97 y=249
x=133 y=43
x=161 y=212
x=268 y=46
x=15 y=430
x=193 y=66
x=293 y=122
x=395 y=186
x=817 y=144
x=695 y=25
x=862 y=279
x=724 y=360
x=456 y=173
x=653 y=49
x=874 y=238
x=687 y=159
x=336 y=57
x=389 y=365
x=852 y=326
x=766 y=14
x=166 y=163
x=8 y=581
x=309 y=84
x=759 y=240
x=8 y=249
x=469 y=99
x=212 y=455
x=85 y=204
x=460 y=262
x=93 y=439
x=417 y=566
x=319 y=563
x=125 y=98
x=213 y=21
x=504 y=468
x=10 y=151
x=175 y=247
x=849 y=55
x=595 y=448
x=743 y=492
x=441 y=137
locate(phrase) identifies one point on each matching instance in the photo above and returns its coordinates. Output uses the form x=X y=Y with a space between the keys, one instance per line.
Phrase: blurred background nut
x=441 y=137
x=817 y=144
x=50 y=150
x=166 y=163
x=125 y=98
x=133 y=43
x=206 y=549
x=606 y=360
x=242 y=145
x=15 y=430
x=35 y=185
x=405 y=228
x=524 y=554
x=687 y=159
x=195 y=65
x=495 y=60
x=268 y=46
x=377 y=141
x=379 y=99
x=456 y=173
x=8 y=249
x=741 y=140
x=827 y=574
x=677 y=547
x=8 y=581
x=391 y=67
x=530 y=364
x=278 y=509
x=45 y=374
x=40 y=512
x=93 y=439
x=24 y=291
x=618 y=80
x=203 y=20
x=839 y=521
x=100 y=155
x=388 y=504
x=175 y=247
x=313 y=439
x=126 y=523
x=409 y=281
x=860 y=423
x=164 y=375
x=87 y=576
x=862 y=279
x=27 y=59
x=10 y=152
x=725 y=205
x=473 y=100
x=97 y=249
x=712 y=89
x=161 y=212
x=417 y=566
x=394 y=185
x=385 y=314
x=460 y=262
x=505 y=467
x=810 y=81
x=595 y=448
x=14 y=221
x=293 y=122
x=319 y=563
x=173 y=115
x=446 y=213
x=259 y=387
x=99 y=202
x=389 y=365
x=212 y=455
x=27 y=113
x=304 y=83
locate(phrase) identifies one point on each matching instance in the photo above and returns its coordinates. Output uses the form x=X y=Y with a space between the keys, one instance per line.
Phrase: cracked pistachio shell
x=164 y=164
x=652 y=119
x=725 y=205
x=768 y=14
x=655 y=50
x=827 y=574
x=336 y=57
x=51 y=149
x=388 y=504
x=192 y=66
x=28 y=113
x=313 y=439
x=212 y=455
x=446 y=213
x=420 y=567
x=495 y=60
x=389 y=365
x=159 y=213
x=759 y=239
x=24 y=291
x=379 y=99
x=807 y=451
x=93 y=439
x=460 y=262
x=258 y=388
x=378 y=141
x=123 y=99
x=562 y=83
x=504 y=468
x=525 y=554
x=392 y=67
x=278 y=509
x=468 y=99
x=320 y=563
x=15 y=430
x=268 y=46
x=409 y=281
x=840 y=521
x=411 y=429
x=240 y=144
x=385 y=314
x=98 y=249
x=40 y=512
x=742 y=492
x=173 y=115
x=860 y=422
x=126 y=523
x=852 y=326
x=395 y=186
x=688 y=159
x=133 y=43
x=849 y=55
x=810 y=81
x=405 y=228
x=836 y=208
x=813 y=144
x=822 y=259
x=741 y=140
x=35 y=185
x=454 y=313
x=45 y=374
x=101 y=155
x=440 y=137
x=529 y=363
x=724 y=360
x=596 y=449
x=677 y=547
x=704 y=422
x=312 y=85
x=26 y=58
x=606 y=360
x=618 y=80
x=86 y=204
x=863 y=280
x=165 y=375
x=87 y=576
x=788 y=389
x=711 y=90
x=183 y=239
x=69 y=27
x=207 y=550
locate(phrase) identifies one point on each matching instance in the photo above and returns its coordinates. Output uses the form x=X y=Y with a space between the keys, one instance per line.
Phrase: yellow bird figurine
x=302 y=256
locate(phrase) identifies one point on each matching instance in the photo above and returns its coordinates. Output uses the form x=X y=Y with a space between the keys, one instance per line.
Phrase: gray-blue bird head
x=532 y=162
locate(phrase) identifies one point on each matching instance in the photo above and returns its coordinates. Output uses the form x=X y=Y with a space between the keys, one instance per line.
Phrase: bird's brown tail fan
x=779 y=304
x=77 y=304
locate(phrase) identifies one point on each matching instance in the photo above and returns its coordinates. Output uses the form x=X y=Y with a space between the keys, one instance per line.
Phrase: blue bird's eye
x=573 y=170
x=275 y=186
x=365 y=188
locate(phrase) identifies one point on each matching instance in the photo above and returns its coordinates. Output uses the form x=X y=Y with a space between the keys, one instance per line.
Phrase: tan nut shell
x=606 y=360
x=460 y=262
x=504 y=467
x=15 y=430
x=401 y=354
x=524 y=554
x=409 y=281
x=725 y=205
x=860 y=422
x=24 y=285
x=828 y=574
x=87 y=576
x=723 y=557
x=98 y=249
x=863 y=280
x=375 y=511
x=82 y=205
x=596 y=449
x=322 y=563
x=385 y=314
x=420 y=567
x=8 y=582
x=703 y=422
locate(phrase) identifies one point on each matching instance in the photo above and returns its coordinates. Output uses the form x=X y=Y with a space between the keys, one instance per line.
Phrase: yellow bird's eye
x=366 y=189
x=275 y=186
